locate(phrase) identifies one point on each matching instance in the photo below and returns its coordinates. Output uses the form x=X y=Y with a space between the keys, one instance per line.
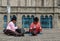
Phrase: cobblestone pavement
x=46 y=35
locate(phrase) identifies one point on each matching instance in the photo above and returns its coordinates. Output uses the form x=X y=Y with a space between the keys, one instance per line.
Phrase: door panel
x=46 y=22
x=5 y=21
x=26 y=21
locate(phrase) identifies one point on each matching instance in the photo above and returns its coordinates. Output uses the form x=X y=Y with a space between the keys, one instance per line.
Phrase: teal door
x=46 y=22
x=32 y=17
x=42 y=21
x=26 y=21
x=5 y=21
x=50 y=21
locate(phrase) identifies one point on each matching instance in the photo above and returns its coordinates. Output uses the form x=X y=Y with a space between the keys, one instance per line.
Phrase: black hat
x=13 y=19
x=36 y=19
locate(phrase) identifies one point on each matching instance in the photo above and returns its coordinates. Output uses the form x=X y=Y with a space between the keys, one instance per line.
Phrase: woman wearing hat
x=12 y=29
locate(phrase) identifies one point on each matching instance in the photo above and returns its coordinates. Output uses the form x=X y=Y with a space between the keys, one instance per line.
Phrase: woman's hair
x=13 y=19
x=36 y=19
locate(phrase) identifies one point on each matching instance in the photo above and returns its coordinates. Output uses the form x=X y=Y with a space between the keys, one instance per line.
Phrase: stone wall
x=31 y=7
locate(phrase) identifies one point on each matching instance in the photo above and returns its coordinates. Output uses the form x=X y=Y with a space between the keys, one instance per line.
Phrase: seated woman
x=12 y=29
x=35 y=27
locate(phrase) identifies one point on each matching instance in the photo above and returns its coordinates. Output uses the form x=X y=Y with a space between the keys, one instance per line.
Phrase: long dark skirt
x=16 y=33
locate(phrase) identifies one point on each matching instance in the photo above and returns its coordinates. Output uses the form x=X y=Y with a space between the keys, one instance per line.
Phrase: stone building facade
x=36 y=8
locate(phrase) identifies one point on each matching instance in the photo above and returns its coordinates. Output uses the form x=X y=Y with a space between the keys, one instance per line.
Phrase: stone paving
x=46 y=35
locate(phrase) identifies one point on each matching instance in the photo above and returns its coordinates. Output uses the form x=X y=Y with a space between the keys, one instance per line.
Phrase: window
x=5 y=21
x=5 y=18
